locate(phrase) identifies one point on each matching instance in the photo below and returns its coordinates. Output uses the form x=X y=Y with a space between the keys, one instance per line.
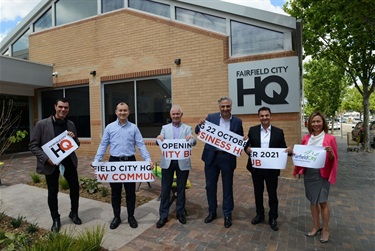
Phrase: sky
x=12 y=11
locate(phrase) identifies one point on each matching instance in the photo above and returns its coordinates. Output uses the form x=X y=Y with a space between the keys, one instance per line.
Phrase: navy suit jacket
x=277 y=140
x=209 y=151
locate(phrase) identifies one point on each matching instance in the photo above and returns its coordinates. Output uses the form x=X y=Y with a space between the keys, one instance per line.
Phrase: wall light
x=93 y=73
x=55 y=74
x=177 y=61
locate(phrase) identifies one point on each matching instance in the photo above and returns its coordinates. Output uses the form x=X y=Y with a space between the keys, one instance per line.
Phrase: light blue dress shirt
x=122 y=140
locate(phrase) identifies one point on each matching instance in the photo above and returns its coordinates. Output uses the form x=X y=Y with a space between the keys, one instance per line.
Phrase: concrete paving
x=352 y=203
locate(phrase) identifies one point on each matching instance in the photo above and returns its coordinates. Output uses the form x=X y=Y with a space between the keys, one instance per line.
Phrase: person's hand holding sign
x=329 y=151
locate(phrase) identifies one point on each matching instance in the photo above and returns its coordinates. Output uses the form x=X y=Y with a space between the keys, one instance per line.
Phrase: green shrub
x=104 y=191
x=32 y=228
x=89 y=240
x=91 y=185
x=63 y=183
x=13 y=242
x=35 y=177
x=16 y=223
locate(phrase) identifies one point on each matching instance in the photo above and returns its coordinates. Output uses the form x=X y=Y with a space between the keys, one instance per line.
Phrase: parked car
x=356 y=129
x=372 y=133
x=336 y=125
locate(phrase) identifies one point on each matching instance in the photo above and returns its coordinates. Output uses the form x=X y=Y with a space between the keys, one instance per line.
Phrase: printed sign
x=60 y=147
x=221 y=138
x=269 y=158
x=127 y=171
x=274 y=83
x=309 y=156
x=175 y=149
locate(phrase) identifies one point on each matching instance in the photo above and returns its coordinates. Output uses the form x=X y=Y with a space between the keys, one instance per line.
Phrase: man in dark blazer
x=265 y=136
x=216 y=161
x=44 y=131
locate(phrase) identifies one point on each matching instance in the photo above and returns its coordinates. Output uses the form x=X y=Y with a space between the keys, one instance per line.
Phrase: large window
x=149 y=101
x=248 y=39
x=201 y=19
x=79 y=104
x=68 y=11
x=20 y=49
x=44 y=22
x=150 y=7
x=109 y=5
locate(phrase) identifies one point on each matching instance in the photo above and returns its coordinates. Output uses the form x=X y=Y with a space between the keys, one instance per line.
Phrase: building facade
x=152 y=54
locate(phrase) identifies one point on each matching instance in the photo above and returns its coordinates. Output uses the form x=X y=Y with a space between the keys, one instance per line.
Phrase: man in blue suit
x=265 y=136
x=216 y=161
x=174 y=130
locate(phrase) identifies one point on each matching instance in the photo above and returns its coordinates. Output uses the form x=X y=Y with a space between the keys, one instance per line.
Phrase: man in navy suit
x=265 y=136
x=174 y=130
x=216 y=161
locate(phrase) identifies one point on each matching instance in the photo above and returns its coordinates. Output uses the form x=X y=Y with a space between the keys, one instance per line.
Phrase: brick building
x=153 y=54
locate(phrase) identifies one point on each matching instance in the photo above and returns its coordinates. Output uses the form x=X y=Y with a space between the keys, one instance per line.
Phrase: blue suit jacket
x=167 y=132
x=209 y=151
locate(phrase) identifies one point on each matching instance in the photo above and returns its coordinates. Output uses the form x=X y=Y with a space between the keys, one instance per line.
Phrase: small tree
x=9 y=122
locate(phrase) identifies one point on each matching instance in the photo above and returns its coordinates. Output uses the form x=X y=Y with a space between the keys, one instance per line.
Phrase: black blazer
x=277 y=140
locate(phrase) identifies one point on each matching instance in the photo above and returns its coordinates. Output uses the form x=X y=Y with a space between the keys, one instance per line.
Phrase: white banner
x=60 y=147
x=309 y=156
x=221 y=138
x=127 y=171
x=175 y=149
x=269 y=158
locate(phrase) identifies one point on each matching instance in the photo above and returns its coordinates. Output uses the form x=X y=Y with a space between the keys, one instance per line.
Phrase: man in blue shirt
x=122 y=135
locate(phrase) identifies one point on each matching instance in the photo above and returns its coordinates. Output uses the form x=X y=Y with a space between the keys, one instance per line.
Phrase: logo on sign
x=260 y=91
x=62 y=147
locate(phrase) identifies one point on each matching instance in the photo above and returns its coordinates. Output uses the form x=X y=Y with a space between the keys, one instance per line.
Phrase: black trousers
x=166 y=185
x=116 y=189
x=52 y=180
x=271 y=180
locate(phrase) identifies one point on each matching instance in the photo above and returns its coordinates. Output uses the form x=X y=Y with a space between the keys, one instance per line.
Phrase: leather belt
x=122 y=158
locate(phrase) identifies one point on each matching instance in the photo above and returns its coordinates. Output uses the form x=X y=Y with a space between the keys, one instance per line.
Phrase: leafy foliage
x=343 y=32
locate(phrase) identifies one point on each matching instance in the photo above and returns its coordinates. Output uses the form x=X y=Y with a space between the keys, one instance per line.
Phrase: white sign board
x=269 y=158
x=273 y=82
x=60 y=147
x=221 y=138
x=309 y=156
x=127 y=171
x=175 y=149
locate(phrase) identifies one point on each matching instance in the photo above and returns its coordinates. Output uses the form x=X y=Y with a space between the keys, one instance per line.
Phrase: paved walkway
x=352 y=204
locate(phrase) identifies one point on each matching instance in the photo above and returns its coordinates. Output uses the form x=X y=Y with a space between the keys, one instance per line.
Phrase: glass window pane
x=201 y=19
x=20 y=49
x=68 y=11
x=6 y=53
x=44 y=22
x=151 y=7
x=109 y=5
x=48 y=102
x=79 y=112
x=114 y=94
x=153 y=105
x=248 y=39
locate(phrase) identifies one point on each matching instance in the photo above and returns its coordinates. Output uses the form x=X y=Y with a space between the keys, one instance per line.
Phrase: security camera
x=55 y=74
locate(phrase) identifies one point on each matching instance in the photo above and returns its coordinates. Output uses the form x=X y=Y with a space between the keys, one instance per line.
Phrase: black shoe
x=227 y=222
x=161 y=222
x=132 y=222
x=74 y=217
x=181 y=218
x=273 y=224
x=115 y=222
x=210 y=218
x=56 y=225
x=257 y=219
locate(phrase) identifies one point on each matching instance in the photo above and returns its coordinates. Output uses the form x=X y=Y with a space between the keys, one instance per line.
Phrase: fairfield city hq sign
x=274 y=83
